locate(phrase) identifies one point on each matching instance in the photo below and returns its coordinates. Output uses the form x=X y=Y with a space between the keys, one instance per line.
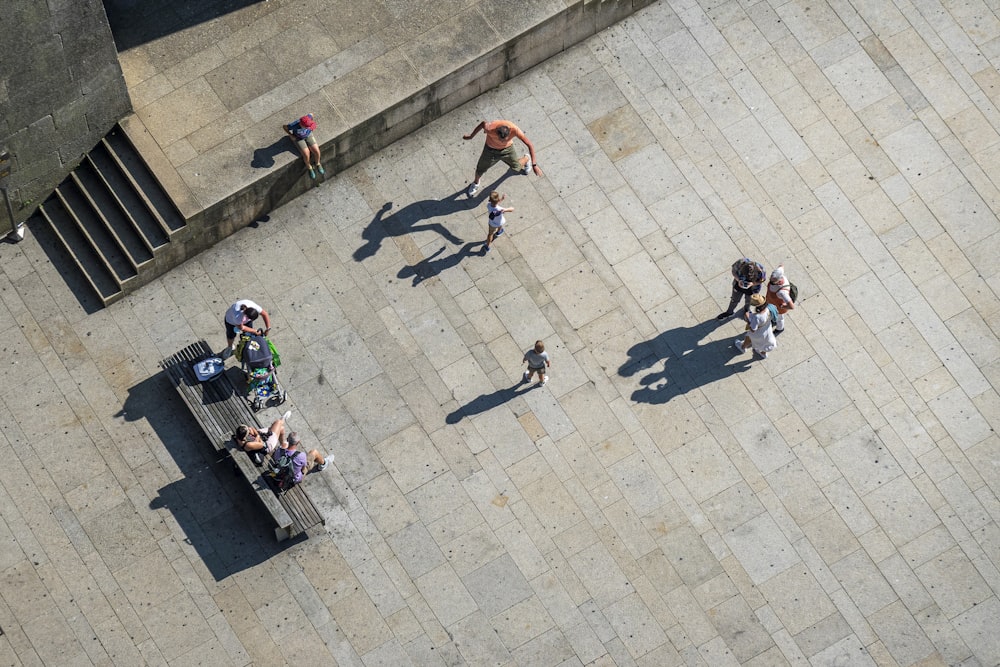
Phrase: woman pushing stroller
x=254 y=351
x=240 y=318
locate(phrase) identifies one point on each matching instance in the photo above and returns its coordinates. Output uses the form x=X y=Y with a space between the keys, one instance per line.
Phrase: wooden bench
x=219 y=408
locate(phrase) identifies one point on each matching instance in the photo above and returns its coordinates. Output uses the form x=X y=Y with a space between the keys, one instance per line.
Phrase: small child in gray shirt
x=538 y=360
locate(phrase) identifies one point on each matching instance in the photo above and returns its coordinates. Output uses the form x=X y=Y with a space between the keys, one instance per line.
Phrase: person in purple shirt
x=302 y=462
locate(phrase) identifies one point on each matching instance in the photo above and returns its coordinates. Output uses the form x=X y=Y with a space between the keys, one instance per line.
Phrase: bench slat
x=205 y=420
x=195 y=393
x=286 y=524
x=301 y=507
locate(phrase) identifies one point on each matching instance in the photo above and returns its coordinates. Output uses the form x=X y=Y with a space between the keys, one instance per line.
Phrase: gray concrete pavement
x=661 y=501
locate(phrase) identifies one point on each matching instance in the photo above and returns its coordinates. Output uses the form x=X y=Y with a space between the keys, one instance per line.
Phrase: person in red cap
x=301 y=132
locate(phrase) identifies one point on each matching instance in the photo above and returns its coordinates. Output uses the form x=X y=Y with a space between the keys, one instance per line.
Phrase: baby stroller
x=260 y=361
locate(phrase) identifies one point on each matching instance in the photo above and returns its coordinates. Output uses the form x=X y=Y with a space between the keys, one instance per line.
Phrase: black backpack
x=281 y=470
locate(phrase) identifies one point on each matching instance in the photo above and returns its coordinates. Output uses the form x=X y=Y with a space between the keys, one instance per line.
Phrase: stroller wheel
x=256 y=403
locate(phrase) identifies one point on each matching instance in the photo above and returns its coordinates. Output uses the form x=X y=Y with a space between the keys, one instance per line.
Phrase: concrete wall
x=61 y=90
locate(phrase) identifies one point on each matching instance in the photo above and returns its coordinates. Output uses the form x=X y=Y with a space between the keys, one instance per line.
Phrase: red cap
x=308 y=122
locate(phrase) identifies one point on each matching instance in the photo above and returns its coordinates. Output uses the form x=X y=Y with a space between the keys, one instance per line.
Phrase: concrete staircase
x=110 y=221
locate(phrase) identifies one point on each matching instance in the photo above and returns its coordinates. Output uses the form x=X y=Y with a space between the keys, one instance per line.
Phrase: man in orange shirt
x=500 y=147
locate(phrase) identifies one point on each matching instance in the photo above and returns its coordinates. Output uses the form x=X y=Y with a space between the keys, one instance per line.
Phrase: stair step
x=147 y=221
x=143 y=179
x=83 y=215
x=58 y=235
x=107 y=205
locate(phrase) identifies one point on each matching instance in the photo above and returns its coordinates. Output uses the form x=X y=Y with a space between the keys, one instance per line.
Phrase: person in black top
x=748 y=277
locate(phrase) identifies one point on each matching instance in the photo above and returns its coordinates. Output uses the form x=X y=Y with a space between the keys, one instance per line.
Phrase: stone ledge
x=419 y=103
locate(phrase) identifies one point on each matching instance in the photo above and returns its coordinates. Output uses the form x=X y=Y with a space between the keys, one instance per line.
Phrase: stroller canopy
x=256 y=352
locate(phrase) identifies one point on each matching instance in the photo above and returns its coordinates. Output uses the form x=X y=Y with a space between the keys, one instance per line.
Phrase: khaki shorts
x=308 y=141
x=491 y=156
x=272 y=442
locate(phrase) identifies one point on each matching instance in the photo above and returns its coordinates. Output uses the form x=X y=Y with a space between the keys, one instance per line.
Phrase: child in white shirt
x=538 y=362
x=496 y=221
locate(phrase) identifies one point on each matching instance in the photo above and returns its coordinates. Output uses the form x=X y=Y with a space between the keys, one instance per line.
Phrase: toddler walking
x=538 y=361
x=496 y=221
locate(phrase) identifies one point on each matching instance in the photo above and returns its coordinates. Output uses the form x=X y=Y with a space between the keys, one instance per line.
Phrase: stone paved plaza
x=662 y=500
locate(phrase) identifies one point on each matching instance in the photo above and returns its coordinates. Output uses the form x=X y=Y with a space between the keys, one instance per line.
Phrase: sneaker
x=321 y=170
x=312 y=173
x=473 y=189
x=527 y=167
x=321 y=466
x=285 y=416
x=545 y=378
x=487 y=249
x=524 y=378
x=778 y=331
x=738 y=344
x=722 y=316
x=499 y=232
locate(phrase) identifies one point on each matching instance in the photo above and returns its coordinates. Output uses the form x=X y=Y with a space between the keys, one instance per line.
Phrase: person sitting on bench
x=300 y=462
x=250 y=439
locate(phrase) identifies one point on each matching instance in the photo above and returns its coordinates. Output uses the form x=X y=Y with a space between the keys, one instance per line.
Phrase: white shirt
x=235 y=315
x=496 y=215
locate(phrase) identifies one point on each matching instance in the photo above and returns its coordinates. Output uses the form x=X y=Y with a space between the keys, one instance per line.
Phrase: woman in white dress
x=760 y=332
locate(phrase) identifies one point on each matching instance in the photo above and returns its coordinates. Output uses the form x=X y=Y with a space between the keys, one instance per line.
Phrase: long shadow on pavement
x=211 y=502
x=64 y=264
x=431 y=267
x=406 y=219
x=263 y=158
x=687 y=363
x=486 y=402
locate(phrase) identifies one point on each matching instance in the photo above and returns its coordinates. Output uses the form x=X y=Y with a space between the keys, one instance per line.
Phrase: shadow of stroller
x=430 y=267
x=687 y=363
x=485 y=402
x=404 y=221
x=263 y=158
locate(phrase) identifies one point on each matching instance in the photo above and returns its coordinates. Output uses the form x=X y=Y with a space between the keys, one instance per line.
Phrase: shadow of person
x=263 y=158
x=485 y=402
x=431 y=267
x=687 y=362
x=404 y=221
